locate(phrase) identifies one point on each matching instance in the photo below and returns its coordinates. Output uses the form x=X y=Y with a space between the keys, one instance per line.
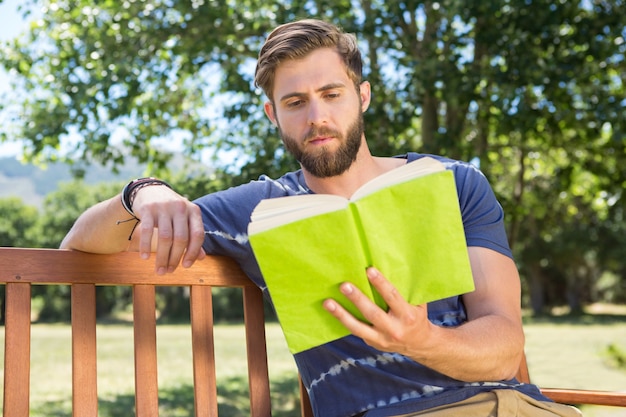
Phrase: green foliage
x=62 y=208
x=55 y=303
x=616 y=356
x=24 y=226
x=534 y=92
x=16 y=223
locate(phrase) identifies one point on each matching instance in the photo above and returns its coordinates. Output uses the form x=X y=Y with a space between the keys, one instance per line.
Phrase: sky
x=10 y=21
x=11 y=24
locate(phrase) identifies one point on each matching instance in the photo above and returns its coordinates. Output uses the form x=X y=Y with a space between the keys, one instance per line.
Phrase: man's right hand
x=170 y=225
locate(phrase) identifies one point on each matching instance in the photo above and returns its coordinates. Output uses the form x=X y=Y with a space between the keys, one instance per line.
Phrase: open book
x=406 y=223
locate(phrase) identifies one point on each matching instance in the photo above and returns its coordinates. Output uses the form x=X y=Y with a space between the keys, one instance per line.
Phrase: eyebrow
x=326 y=87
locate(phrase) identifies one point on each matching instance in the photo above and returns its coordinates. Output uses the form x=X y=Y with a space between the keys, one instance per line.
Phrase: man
x=451 y=357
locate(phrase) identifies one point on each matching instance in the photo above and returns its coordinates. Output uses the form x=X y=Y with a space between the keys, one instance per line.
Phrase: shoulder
x=466 y=173
x=226 y=213
x=264 y=187
x=483 y=217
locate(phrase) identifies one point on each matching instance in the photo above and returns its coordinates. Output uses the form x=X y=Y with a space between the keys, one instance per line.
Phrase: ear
x=365 y=91
x=270 y=113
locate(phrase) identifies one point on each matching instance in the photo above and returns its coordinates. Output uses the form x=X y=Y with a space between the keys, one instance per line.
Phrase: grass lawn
x=571 y=352
x=562 y=352
x=51 y=371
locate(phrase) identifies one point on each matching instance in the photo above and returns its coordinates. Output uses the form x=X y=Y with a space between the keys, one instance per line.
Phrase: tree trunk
x=537 y=294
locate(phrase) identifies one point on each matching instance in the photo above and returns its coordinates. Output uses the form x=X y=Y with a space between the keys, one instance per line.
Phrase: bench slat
x=146 y=381
x=127 y=268
x=84 y=356
x=17 y=350
x=202 y=337
x=257 y=352
x=306 y=410
x=574 y=397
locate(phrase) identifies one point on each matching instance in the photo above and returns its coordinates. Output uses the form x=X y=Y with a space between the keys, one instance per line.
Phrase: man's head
x=311 y=73
x=296 y=40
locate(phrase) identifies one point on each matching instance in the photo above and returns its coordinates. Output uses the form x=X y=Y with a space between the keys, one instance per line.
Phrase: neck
x=365 y=168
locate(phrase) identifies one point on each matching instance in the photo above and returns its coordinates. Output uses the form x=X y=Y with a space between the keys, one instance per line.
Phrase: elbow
x=512 y=368
x=513 y=361
x=65 y=243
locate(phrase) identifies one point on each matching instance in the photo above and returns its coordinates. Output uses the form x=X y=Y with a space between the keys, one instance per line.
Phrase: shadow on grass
x=582 y=319
x=233 y=401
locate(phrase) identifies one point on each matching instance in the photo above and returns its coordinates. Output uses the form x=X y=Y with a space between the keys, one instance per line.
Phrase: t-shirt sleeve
x=483 y=216
x=226 y=214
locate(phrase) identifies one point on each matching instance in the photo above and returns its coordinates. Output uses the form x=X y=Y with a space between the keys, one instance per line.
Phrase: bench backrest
x=19 y=268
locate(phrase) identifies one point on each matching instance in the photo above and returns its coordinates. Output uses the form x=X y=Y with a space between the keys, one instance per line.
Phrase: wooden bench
x=19 y=268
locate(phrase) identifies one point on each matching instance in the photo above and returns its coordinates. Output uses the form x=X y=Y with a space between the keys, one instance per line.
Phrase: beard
x=323 y=162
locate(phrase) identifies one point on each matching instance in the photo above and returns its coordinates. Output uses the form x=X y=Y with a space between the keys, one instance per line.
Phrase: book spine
x=365 y=247
x=362 y=239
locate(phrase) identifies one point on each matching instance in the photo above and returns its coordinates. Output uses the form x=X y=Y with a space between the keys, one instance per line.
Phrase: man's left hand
x=401 y=329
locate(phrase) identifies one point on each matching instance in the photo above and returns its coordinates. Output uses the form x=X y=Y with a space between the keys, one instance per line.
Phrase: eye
x=294 y=103
x=333 y=95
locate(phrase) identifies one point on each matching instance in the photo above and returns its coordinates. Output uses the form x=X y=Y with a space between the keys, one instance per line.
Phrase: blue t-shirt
x=347 y=377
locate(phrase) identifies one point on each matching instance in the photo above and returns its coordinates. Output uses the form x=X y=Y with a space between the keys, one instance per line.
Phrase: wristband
x=130 y=190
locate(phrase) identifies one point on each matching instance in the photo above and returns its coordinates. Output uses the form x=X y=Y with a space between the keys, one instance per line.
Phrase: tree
x=16 y=223
x=532 y=91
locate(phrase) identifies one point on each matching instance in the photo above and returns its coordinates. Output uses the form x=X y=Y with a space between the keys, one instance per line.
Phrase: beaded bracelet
x=130 y=190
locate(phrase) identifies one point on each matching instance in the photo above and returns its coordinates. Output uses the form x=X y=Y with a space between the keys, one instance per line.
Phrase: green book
x=406 y=222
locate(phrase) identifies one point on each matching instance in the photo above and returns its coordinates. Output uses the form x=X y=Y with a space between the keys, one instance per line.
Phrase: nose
x=318 y=113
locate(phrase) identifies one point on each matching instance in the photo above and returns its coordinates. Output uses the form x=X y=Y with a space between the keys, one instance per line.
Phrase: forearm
x=101 y=229
x=488 y=348
x=169 y=225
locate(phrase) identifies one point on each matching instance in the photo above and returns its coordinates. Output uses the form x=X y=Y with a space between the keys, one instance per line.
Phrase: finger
x=371 y=312
x=180 y=240
x=196 y=238
x=387 y=290
x=164 y=244
x=401 y=312
x=355 y=326
x=146 y=231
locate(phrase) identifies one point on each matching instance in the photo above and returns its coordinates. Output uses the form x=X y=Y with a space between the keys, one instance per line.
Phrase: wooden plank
x=126 y=268
x=305 y=402
x=17 y=350
x=575 y=397
x=84 y=357
x=260 y=405
x=146 y=382
x=203 y=347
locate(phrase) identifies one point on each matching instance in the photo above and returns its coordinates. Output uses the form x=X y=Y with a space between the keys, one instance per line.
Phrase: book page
x=274 y=212
x=423 y=166
x=304 y=263
x=416 y=238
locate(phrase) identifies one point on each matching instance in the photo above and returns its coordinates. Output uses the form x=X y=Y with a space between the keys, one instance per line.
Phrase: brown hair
x=296 y=40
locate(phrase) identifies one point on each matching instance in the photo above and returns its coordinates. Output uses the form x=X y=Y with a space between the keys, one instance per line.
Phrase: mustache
x=320 y=131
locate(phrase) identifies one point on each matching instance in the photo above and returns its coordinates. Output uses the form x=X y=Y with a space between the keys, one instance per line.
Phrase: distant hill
x=32 y=183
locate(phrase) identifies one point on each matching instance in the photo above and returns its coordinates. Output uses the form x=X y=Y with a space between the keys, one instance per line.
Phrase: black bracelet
x=129 y=192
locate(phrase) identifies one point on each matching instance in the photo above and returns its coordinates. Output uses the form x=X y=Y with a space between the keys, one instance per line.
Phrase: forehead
x=319 y=68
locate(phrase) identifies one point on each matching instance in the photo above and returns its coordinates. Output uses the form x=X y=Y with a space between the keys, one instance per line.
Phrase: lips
x=320 y=136
x=320 y=140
